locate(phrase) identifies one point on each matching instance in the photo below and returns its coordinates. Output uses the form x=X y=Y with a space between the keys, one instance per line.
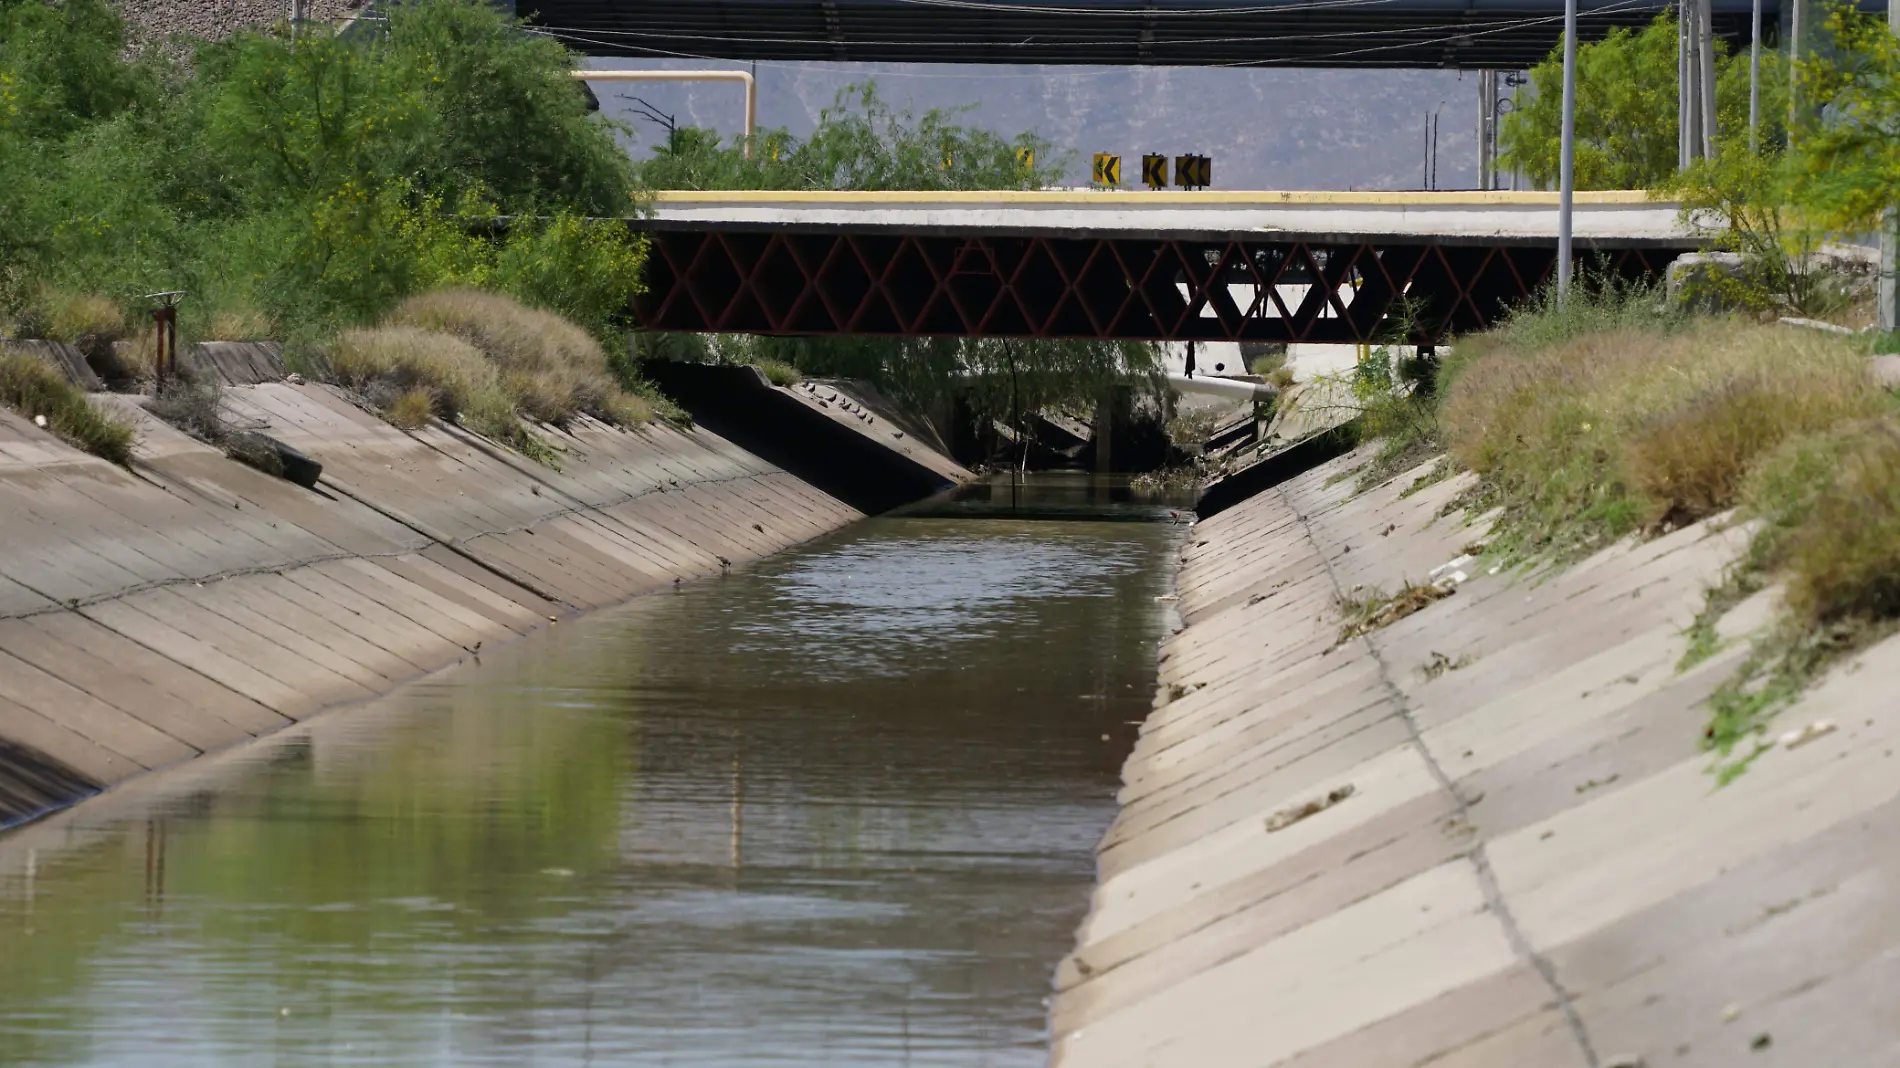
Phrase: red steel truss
x=1095 y=287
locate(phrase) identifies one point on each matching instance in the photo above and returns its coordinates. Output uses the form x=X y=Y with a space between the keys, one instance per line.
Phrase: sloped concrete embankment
x=1486 y=834
x=150 y=615
x=864 y=455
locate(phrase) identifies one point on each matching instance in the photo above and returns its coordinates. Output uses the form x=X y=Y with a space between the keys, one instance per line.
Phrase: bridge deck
x=1624 y=218
x=1266 y=266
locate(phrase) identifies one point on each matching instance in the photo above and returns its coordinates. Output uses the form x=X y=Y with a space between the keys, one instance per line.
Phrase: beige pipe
x=751 y=87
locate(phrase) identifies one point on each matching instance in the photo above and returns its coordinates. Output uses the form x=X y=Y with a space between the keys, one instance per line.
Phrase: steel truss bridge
x=1277 y=267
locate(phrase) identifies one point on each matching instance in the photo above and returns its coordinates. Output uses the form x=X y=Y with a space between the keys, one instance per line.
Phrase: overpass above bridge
x=1210 y=266
x=1460 y=34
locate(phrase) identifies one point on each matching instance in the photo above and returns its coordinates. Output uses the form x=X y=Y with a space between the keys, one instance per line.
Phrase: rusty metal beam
x=1090 y=287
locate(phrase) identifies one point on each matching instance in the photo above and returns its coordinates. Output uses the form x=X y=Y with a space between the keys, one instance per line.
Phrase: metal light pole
x=1567 y=165
x=1754 y=81
x=1889 y=284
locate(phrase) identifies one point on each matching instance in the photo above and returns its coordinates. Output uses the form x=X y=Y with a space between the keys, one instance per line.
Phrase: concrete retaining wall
x=150 y=615
x=1532 y=865
x=821 y=433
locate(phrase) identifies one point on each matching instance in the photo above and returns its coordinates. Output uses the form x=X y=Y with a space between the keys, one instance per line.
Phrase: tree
x=1846 y=163
x=313 y=182
x=1626 y=110
x=861 y=142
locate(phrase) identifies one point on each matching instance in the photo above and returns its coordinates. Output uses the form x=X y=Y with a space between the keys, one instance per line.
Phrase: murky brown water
x=836 y=809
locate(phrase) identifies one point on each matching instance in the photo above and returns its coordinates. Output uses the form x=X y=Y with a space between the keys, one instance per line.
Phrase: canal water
x=837 y=808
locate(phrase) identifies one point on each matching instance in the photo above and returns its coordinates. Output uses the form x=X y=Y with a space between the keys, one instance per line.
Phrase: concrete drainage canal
x=837 y=807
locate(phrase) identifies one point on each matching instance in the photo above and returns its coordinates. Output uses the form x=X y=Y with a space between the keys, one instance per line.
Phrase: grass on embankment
x=486 y=362
x=1608 y=419
x=34 y=389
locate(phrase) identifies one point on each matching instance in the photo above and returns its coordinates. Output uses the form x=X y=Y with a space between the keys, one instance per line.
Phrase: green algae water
x=838 y=808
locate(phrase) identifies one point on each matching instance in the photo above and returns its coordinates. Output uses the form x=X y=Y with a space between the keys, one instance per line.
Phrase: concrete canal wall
x=1485 y=835
x=187 y=604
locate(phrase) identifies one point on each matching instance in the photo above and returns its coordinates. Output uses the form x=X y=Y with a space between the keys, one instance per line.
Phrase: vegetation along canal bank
x=1554 y=726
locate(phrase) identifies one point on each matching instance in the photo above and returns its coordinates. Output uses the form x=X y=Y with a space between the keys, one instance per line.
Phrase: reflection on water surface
x=838 y=808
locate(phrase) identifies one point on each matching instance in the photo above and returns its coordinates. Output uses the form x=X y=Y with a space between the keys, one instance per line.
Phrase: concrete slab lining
x=1532 y=865
x=190 y=603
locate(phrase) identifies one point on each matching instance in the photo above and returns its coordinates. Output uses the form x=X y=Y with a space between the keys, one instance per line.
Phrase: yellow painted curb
x=1141 y=198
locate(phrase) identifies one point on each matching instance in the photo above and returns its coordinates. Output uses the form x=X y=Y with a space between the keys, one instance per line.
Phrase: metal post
x=1685 y=88
x=1796 y=24
x=1754 y=78
x=1487 y=129
x=1889 y=296
x=1705 y=74
x=1567 y=178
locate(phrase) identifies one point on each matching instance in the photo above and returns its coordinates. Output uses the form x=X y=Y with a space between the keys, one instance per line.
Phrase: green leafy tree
x=318 y=180
x=861 y=142
x=1626 y=110
x=1846 y=164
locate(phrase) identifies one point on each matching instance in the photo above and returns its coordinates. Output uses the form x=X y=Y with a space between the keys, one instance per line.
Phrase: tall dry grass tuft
x=550 y=367
x=240 y=322
x=394 y=365
x=1843 y=561
x=1597 y=435
x=34 y=389
x=83 y=319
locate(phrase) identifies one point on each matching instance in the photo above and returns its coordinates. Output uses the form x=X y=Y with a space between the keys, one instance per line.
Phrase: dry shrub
x=628 y=409
x=1595 y=436
x=548 y=366
x=1374 y=610
x=779 y=373
x=132 y=361
x=32 y=387
x=1690 y=461
x=386 y=364
x=1843 y=558
x=411 y=409
x=195 y=405
x=84 y=319
x=240 y=323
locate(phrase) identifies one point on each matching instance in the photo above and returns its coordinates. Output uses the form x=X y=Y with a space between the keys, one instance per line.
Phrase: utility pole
x=1567 y=164
x=1889 y=310
x=1754 y=77
x=1487 y=129
x=1705 y=72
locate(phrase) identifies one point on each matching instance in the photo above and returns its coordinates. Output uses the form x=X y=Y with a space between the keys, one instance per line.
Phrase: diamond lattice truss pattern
x=903 y=285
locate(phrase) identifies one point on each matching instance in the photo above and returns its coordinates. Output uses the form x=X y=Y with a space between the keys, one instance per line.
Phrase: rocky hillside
x=160 y=19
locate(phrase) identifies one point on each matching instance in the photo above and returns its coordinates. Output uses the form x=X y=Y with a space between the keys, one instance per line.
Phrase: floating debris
x=1820 y=728
x=1287 y=817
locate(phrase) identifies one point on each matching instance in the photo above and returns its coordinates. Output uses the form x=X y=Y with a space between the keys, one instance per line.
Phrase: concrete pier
x=1485 y=835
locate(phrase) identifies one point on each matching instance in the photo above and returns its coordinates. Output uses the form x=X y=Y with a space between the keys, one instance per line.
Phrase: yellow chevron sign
x=1026 y=159
x=1107 y=170
x=1154 y=171
x=1193 y=172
